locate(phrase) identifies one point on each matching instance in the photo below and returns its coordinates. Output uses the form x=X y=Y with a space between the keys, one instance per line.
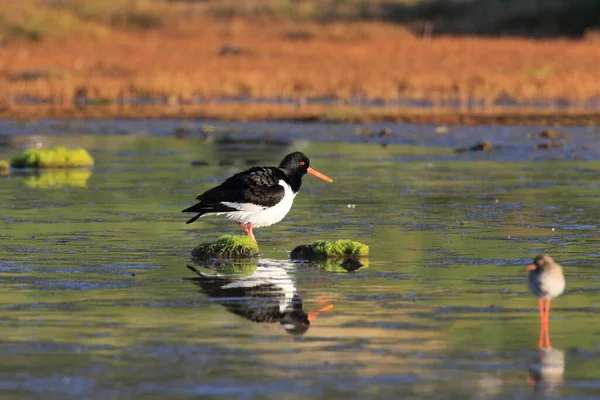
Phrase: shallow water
x=98 y=300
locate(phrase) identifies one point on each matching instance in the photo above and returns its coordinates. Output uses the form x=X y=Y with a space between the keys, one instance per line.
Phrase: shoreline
x=311 y=114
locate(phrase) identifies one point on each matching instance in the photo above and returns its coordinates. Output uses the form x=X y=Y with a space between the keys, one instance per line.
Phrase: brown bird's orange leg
x=546 y=329
x=541 y=307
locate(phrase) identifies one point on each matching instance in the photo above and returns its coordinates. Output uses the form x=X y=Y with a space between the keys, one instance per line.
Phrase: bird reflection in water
x=545 y=373
x=262 y=292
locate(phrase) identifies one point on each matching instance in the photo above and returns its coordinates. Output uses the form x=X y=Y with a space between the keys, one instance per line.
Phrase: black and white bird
x=268 y=295
x=259 y=196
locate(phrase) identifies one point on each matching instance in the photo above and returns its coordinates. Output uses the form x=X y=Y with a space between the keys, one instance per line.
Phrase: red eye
x=302 y=163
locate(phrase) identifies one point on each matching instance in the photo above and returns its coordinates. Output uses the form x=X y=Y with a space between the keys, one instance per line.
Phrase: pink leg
x=542 y=332
x=248 y=229
x=249 y=225
x=547 y=331
x=243 y=226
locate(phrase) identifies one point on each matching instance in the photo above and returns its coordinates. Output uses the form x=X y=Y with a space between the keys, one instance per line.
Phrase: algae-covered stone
x=227 y=246
x=322 y=249
x=54 y=157
x=4 y=167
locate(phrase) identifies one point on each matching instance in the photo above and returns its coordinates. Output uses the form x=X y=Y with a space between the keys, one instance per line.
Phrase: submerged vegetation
x=227 y=246
x=54 y=157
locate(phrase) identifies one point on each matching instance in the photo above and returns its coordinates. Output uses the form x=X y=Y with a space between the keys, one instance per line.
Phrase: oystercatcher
x=268 y=295
x=546 y=281
x=259 y=196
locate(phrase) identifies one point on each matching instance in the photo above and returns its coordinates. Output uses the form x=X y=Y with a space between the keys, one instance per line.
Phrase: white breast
x=269 y=275
x=258 y=215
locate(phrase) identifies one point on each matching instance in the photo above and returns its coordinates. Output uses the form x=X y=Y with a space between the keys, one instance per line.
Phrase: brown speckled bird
x=546 y=281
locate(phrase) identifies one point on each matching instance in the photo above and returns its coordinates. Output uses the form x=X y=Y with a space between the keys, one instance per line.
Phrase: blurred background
x=301 y=58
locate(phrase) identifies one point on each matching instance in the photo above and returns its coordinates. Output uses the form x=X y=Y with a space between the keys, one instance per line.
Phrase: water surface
x=97 y=300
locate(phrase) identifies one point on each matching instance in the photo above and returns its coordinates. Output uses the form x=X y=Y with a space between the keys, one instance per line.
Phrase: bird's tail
x=207 y=208
x=195 y=208
x=193 y=269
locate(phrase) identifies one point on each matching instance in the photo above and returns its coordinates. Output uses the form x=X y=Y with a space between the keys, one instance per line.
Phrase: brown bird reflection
x=546 y=281
x=545 y=373
x=261 y=292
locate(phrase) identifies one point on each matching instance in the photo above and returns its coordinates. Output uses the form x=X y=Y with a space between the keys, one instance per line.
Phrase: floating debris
x=54 y=157
x=181 y=132
x=227 y=246
x=548 y=145
x=5 y=140
x=549 y=134
x=481 y=146
x=359 y=131
x=442 y=130
x=385 y=132
x=199 y=163
x=208 y=129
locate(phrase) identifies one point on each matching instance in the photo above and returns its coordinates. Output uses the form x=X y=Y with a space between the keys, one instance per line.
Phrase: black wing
x=258 y=185
x=258 y=303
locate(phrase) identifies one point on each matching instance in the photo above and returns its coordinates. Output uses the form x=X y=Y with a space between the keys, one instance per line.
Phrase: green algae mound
x=53 y=157
x=340 y=256
x=322 y=249
x=4 y=167
x=227 y=246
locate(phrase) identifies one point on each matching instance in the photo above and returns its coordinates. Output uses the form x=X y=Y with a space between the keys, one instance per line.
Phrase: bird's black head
x=541 y=262
x=295 y=166
x=294 y=320
x=295 y=162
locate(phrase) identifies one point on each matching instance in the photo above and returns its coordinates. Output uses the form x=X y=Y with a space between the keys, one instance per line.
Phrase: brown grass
x=212 y=58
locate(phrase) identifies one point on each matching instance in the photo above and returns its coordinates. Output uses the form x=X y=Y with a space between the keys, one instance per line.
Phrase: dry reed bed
x=298 y=60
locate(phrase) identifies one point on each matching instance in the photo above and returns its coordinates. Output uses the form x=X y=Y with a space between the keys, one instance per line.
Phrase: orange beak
x=531 y=267
x=313 y=314
x=319 y=175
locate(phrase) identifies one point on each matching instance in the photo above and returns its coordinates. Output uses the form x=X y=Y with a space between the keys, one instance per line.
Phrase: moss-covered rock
x=54 y=157
x=321 y=249
x=227 y=246
x=4 y=167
